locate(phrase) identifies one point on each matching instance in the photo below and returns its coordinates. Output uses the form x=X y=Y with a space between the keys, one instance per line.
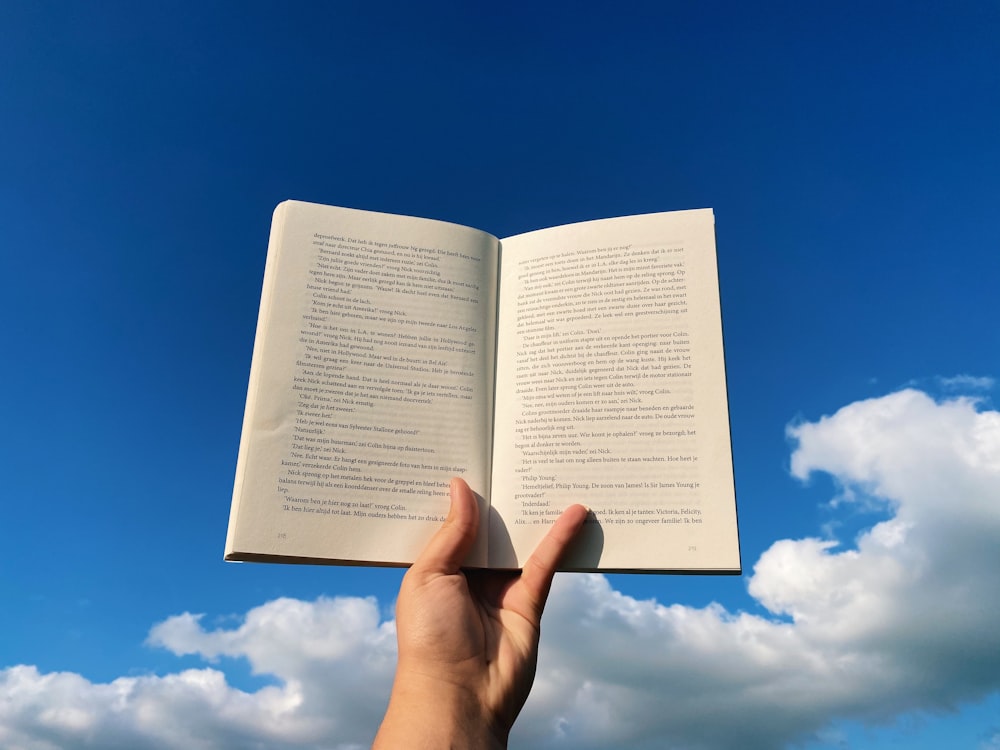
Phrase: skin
x=468 y=639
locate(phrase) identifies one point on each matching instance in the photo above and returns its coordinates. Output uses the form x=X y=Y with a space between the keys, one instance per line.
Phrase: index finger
x=536 y=577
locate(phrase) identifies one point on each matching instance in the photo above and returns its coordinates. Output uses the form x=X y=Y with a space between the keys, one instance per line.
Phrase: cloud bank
x=901 y=618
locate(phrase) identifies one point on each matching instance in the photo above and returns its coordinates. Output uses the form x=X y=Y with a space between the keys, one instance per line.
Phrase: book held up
x=577 y=364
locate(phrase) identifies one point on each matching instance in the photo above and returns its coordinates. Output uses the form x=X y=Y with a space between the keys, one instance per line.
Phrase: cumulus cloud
x=901 y=618
x=333 y=661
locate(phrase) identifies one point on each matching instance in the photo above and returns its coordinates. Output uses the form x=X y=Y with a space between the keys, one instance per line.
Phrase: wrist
x=434 y=712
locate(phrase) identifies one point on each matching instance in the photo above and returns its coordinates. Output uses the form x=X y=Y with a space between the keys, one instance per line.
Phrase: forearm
x=423 y=714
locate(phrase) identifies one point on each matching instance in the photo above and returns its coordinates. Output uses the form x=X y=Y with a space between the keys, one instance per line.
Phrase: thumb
x=448 y=547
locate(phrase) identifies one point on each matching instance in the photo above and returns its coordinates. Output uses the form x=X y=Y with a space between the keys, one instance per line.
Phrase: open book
x=581 y=363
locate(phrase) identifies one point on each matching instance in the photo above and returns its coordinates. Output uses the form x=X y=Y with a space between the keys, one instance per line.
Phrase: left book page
x=371 y=385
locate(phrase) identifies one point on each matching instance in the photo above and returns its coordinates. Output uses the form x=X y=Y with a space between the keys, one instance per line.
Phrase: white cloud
x=292 y=639
x=901 y=619
x=333 y=659
x=966 y=383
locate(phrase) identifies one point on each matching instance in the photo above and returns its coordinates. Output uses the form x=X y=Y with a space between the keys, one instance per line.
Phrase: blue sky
x=850 y=153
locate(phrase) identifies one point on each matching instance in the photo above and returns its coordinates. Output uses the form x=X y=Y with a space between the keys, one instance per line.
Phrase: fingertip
x=573 y=518
x=457 y=487
x=463 y=501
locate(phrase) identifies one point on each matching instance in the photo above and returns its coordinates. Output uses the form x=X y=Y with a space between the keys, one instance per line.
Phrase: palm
x=473 y=624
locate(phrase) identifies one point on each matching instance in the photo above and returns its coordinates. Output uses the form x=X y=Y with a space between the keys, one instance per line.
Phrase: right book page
x=611 y=392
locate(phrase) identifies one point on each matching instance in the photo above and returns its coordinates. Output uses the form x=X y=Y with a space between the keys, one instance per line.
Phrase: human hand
x=468 y=639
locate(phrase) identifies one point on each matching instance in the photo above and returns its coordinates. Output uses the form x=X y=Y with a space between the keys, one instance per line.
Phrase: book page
x=611 y=392
x=370 y=386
